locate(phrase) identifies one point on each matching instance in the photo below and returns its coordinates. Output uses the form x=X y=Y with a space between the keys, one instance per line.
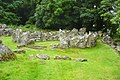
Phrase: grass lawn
x=103 y=64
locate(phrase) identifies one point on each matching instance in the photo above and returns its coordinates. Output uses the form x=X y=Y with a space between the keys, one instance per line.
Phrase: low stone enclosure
x=67 y=39
x=73 y=38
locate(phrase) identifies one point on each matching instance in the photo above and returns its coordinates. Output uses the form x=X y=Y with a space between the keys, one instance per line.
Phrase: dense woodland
x=66 y=14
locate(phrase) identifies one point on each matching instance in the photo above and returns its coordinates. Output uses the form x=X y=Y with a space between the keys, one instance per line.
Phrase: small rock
x=65 y=58
x=62 y=58
x=57 y=57
x=20 y=51
x=80 y=59
x=43 y=56
x=20 y=46
x=54 y=46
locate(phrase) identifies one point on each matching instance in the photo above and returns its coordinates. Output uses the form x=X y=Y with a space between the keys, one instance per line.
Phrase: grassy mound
x=103 y=64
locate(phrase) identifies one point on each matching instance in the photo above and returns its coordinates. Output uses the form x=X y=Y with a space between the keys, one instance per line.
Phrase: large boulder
x=5 y=53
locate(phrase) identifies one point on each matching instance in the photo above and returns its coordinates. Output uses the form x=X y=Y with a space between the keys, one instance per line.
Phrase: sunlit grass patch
x=103 y=63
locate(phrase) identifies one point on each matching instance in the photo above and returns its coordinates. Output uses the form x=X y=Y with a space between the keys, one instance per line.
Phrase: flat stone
x=80 y=59
x=62 y=58
x=54 y=46
x=43 y=56
x=19 y=51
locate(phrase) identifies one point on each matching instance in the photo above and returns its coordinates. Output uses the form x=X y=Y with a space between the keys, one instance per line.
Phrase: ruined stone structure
x=4 y=30
x=76 y=38
x=25 y=38
x=73 y=38
x=111 y=42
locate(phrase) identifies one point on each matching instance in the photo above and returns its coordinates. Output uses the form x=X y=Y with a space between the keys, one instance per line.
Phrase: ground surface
x=103 y=64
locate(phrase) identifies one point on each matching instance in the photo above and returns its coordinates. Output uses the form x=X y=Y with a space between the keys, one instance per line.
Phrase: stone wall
x=74 y=38
x=4 y=30
x=67 y=38
x=77 y=38
x=25 y=38
x=111 y=42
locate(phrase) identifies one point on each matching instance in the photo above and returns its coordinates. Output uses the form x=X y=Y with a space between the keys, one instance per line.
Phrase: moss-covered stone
x=5 y=53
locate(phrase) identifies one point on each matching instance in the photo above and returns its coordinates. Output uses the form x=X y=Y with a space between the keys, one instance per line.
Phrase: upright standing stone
x=64 y=40
x=82 y=31
x=25 y=40
x=82 y=42
x=16 y=35
x=91 y=40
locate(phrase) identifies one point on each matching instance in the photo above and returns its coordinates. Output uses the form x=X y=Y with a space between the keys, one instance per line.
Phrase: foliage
x=5 y=15
x=110 y=11
x=16 y=11
x=26 y=10
x=67 y=14
x=118 y=32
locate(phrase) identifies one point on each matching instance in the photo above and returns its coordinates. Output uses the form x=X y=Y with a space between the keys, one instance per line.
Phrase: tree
x=68 y=14
x=6 y=16
x=17 y=11
x=110 y=14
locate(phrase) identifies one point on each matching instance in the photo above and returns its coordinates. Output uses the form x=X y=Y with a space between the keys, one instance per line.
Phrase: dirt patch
x=37 y=47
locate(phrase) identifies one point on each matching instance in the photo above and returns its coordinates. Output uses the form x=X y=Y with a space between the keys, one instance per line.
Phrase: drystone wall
x=76 y=38
x=4 y=30
x=67 y=38
x=111 y=42
x=25 y=38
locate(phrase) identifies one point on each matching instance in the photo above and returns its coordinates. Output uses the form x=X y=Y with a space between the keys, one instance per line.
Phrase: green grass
x=103 y=64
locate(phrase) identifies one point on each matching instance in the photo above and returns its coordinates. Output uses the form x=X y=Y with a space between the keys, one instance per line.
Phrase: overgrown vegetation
x=103 y=64
x=67 y=14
